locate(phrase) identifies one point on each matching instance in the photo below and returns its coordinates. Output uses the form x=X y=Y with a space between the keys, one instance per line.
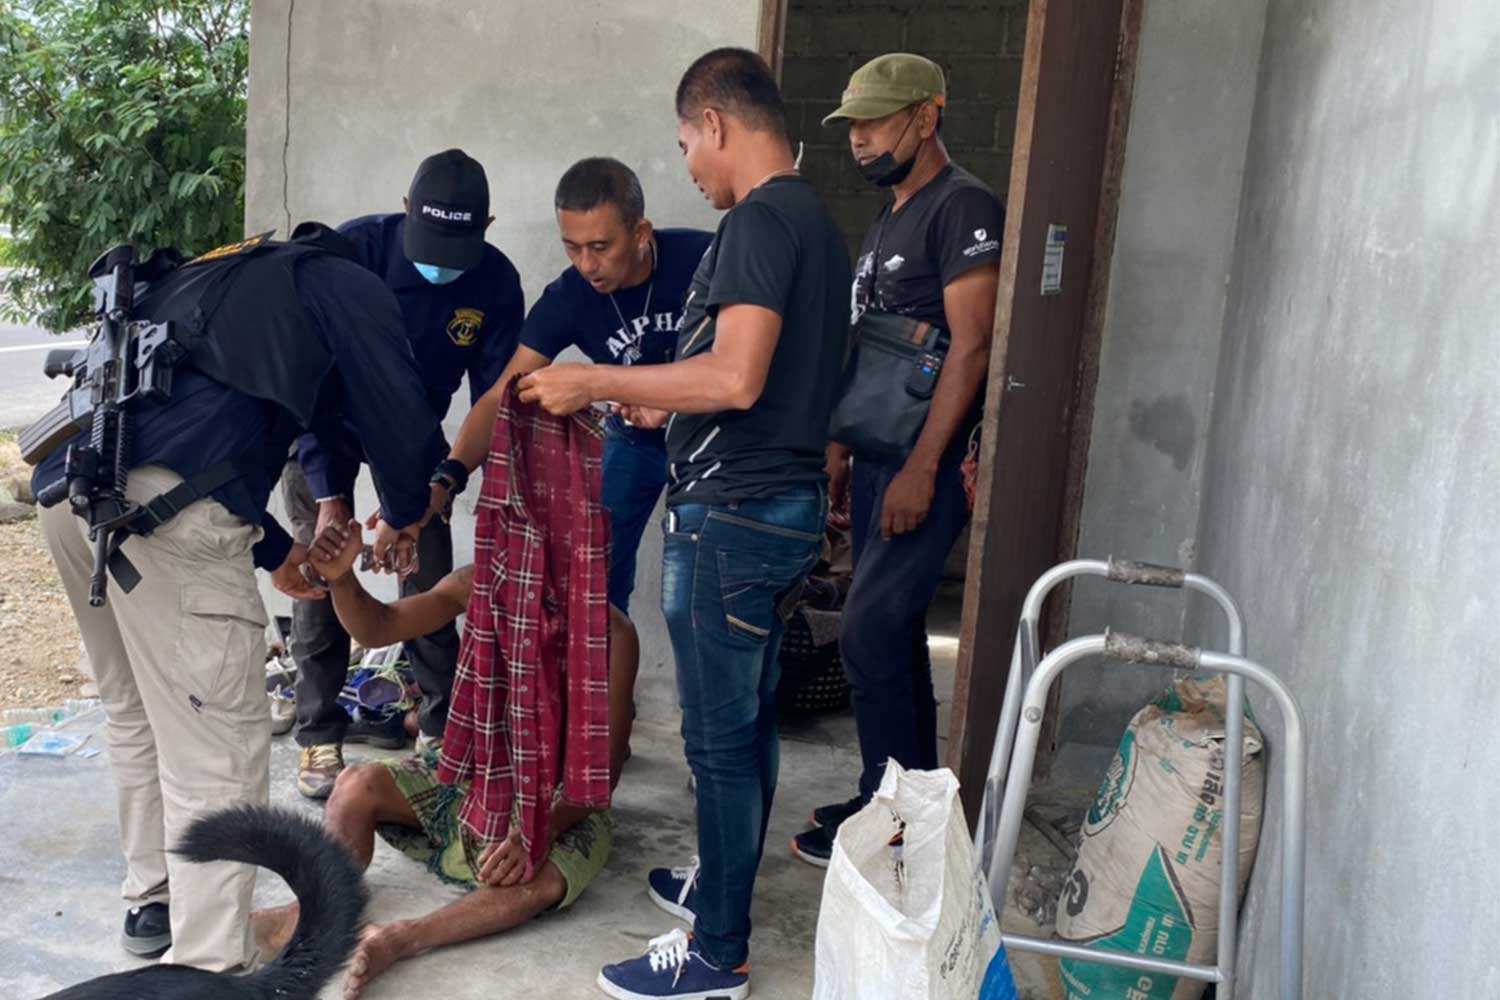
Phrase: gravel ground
x=40 y=652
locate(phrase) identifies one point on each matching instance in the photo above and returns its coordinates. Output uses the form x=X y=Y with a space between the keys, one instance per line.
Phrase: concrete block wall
x=979 y=46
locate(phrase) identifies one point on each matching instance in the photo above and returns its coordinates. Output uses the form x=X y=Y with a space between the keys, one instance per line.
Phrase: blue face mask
x=437 y=275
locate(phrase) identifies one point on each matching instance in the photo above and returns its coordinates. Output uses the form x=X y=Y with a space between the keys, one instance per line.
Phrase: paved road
x=25 y=393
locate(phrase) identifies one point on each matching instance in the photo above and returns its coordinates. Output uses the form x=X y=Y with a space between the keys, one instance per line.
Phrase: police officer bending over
x=461 y=305
x=280 y=337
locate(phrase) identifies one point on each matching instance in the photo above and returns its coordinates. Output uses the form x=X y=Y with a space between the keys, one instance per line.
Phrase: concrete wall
x=348 y=96
x=1184 y=165
x=979 y=46
x=1351 y=479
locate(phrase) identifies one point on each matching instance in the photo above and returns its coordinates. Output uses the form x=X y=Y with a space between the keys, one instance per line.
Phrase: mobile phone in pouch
x=924 y=375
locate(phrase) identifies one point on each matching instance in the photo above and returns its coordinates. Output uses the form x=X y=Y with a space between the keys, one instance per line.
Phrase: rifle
x=125 y=363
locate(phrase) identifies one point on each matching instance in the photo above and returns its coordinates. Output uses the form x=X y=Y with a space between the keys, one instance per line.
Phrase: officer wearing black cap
x=283 y=337
x=462 y=307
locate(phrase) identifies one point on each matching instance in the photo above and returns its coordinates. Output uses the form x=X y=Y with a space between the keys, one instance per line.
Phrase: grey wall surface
x=348 y=96
x=1351 y=478
x=1184 y=165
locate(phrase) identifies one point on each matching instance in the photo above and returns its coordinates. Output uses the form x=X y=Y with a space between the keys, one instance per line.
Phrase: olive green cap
x=888 y=83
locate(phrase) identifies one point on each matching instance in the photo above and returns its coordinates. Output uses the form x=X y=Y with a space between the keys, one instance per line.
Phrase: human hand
x=403 y=554
x=335 y=549
x=646 y=418
x=505 y=863
x=288 y=577
x=559 y=389
x=334 y=511
x=395 y=549
x=439 y=504
x=385 y=536
x=907 y=500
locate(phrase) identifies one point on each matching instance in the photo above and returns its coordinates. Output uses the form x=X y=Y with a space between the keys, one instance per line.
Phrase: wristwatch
x=451 y=475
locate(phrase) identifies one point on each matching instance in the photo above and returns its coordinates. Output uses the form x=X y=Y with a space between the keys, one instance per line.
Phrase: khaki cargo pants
x=180 y=664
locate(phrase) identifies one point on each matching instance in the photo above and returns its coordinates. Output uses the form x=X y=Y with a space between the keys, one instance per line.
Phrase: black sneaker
x=815 y=846
x=834 y=815
x=378 y=729
x=148 y=930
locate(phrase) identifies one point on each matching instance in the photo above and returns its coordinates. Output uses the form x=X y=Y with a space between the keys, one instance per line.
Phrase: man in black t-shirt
x=932 y=255
x=750 y=395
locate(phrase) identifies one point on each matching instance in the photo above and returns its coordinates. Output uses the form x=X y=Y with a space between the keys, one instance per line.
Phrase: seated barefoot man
x=404 y=802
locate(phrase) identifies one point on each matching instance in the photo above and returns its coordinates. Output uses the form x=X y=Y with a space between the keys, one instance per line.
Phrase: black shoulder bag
x=889 y=377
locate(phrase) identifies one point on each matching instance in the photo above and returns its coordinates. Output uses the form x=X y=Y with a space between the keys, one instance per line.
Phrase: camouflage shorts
x=451 y=851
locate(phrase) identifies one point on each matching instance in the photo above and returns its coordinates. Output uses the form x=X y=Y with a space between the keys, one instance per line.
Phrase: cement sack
x=1147 y=876
x=911 y=921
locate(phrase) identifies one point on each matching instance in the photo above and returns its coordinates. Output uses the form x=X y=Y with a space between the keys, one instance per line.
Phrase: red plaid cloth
x=530 y=704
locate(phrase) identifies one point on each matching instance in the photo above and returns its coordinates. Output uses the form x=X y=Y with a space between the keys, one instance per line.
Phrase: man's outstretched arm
x=375 y=623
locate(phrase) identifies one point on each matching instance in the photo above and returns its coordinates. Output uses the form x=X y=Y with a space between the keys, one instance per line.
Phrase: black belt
x=164 y=506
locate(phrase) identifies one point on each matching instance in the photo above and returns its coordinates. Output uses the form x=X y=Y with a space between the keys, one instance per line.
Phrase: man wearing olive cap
x=933 y=255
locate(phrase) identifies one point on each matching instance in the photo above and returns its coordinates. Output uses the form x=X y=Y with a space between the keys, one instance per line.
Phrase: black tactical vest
x=239 y=315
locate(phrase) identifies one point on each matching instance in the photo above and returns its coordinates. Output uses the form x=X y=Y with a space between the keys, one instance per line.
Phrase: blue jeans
x=635 y=471
x=883 y=632
x=730 y=576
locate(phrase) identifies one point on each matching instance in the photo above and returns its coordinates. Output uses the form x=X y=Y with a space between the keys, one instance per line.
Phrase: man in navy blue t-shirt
x=620 y=303
x=462 y=307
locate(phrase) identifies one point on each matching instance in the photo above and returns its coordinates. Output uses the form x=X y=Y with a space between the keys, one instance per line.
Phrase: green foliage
x=120 y=121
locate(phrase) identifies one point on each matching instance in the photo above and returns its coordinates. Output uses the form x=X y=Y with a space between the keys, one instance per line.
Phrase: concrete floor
x=60 y=870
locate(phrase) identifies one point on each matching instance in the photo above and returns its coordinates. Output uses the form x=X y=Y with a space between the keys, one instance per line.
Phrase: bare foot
x=380 y=947
x=273 y=928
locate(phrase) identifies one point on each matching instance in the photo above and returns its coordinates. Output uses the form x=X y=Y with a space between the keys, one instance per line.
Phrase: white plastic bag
x=910 y=920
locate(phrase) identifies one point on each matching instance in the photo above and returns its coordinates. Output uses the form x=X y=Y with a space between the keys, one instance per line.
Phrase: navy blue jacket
x=373 y=381
x=467 y=327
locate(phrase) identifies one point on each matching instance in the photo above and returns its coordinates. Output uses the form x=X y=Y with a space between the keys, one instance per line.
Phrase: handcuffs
x=449 y=474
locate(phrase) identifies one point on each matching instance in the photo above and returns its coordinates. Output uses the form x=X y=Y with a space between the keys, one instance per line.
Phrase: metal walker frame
x=1019 y=731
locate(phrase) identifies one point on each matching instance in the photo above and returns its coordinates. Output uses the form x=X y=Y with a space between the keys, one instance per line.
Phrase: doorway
x=1038 y=104
x=980 y=49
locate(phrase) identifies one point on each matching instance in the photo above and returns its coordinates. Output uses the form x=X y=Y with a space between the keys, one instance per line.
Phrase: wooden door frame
x=1002 y=565
x=771 y=37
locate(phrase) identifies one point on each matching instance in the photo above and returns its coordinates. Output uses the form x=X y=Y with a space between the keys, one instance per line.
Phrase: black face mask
x=884 y=170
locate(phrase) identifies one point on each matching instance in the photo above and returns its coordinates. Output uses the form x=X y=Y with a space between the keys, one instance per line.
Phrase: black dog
x=330 y=890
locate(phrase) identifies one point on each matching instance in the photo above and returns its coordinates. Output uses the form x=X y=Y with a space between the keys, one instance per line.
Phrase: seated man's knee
x=360 y=788
x=551 y=885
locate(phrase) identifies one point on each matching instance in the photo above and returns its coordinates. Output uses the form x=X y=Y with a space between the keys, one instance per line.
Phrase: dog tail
x=329 y=886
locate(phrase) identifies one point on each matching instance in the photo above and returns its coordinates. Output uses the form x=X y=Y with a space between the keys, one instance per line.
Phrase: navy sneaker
x=384 y=729
x=834 y=815
x=675 y=890
x=148 y=930
x=815 y=846
x=673 y=968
